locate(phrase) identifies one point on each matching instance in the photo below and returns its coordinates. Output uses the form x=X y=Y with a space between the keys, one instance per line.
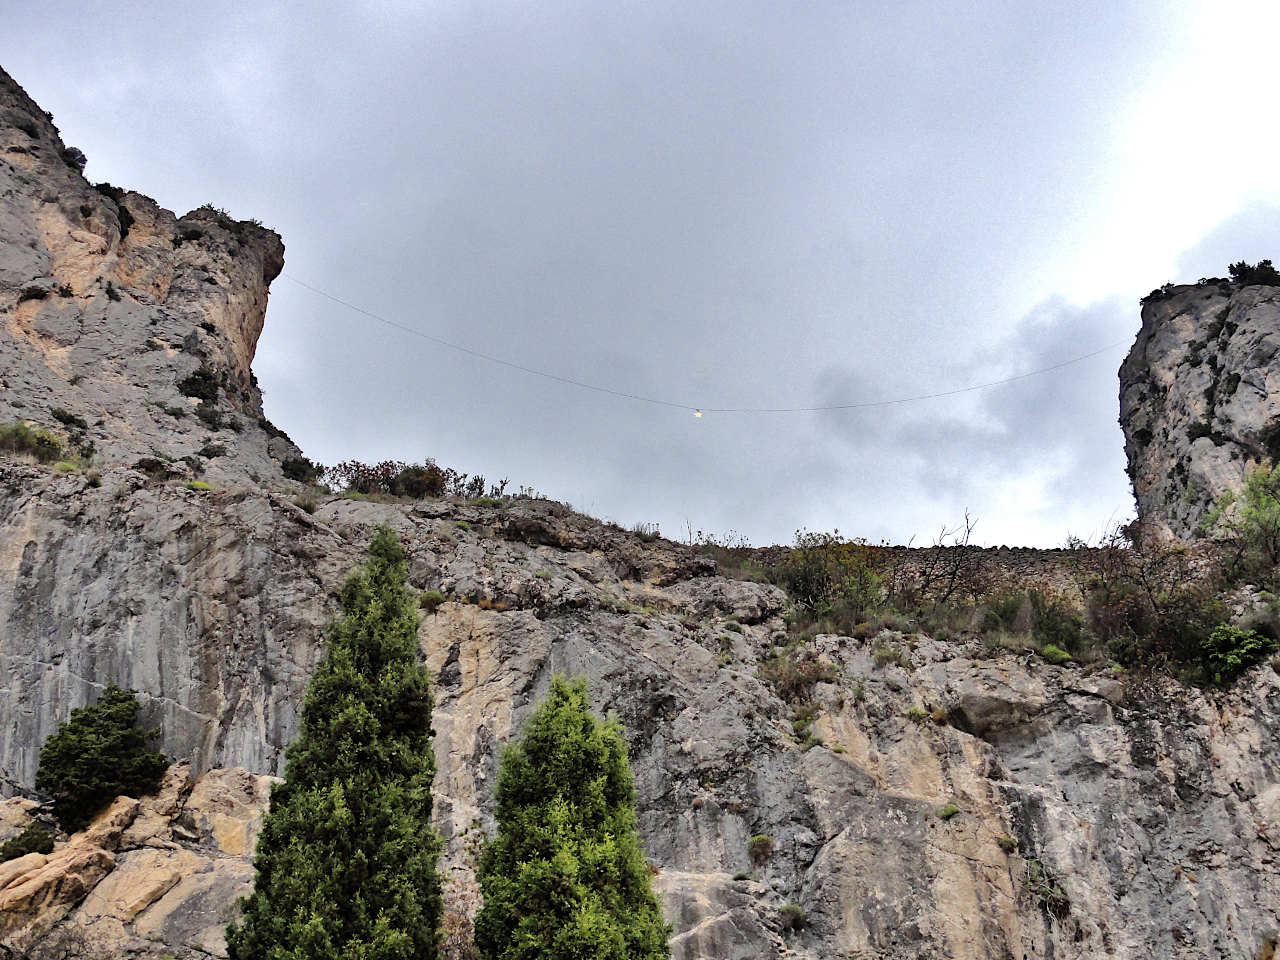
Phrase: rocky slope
x=944 y=800
x=145 y=873
x=1195 y=398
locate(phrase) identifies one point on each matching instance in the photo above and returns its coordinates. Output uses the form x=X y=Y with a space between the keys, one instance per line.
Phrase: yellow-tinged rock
x=19 y=866
x=140 y=879
x=107 y=827
x=35 y=901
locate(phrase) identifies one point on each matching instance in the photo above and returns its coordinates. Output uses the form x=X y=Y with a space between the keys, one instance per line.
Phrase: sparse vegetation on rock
x=20 y=439
x=417 y=481
x=33 y=839
x=1262 y=272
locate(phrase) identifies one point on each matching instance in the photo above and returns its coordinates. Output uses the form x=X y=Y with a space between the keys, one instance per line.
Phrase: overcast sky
x=713 y=204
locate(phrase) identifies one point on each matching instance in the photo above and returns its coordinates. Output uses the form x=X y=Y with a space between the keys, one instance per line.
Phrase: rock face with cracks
x=144 y=875
x=1196 y=401
x=124 y=329
x=946 y=801
x=1096 y=816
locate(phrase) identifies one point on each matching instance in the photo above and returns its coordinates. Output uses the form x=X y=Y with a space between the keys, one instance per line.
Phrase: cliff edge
x=1200 y=398
x=127 y=330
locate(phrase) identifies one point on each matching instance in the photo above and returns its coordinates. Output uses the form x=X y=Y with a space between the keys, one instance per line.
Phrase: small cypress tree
x=96 y=756
x=346 y=860
x=565 y=878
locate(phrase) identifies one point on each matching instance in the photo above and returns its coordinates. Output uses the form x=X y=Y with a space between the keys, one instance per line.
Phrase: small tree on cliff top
x=347 y=857
x=565 y=878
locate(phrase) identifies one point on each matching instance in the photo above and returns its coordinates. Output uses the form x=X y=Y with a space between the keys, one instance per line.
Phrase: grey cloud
x=1060 y=425
x=1251 y=234
x=710 y=203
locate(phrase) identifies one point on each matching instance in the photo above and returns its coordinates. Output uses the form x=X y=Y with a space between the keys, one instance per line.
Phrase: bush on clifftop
x=1262 y=272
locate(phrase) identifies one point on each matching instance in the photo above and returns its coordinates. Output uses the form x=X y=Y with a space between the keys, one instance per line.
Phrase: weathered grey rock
x=1198 y=390
x=108 y=303
x=1144 y=813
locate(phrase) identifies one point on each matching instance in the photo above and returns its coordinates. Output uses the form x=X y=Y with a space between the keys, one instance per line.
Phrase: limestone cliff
x=951 y=800
x=1200 y=398
x=122 y=327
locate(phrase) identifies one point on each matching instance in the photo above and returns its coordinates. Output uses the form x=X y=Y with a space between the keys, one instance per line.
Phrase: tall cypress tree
x=346 y=860
x=565 y=878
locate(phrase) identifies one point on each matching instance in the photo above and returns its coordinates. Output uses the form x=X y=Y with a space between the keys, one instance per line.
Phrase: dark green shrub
x=431 y=600
x=1054 y=623
x=18 y=438
x=1247 y=274
x=1229 y=651
x=74 y=158
x=1149 y=603
x=1001 y=611
x=34 y=839
x=399 y=479
x=96 y=756
x=68 y=418
x=760 y=847
x=420 y=480
x=300 y=469
x=802 y=718
x=565 y=878
x=346 y=860
x=203 y=385
x=828 y=573
x=210 y=416
x=791 y=917
x=793 y=674
x=1269 y=438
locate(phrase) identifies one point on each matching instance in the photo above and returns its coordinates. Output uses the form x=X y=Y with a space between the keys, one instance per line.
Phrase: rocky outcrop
x=123 y=328
x=926 y=799
x=1197 y=403
x=156 y=877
